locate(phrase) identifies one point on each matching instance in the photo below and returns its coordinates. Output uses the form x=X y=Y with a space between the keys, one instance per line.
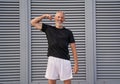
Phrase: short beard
x=59 y=24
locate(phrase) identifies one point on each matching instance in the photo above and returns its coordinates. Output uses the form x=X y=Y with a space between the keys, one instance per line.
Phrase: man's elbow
x=32 y=23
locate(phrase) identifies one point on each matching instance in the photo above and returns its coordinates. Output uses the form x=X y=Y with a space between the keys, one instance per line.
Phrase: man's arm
x=37 y=21
x=73 y=47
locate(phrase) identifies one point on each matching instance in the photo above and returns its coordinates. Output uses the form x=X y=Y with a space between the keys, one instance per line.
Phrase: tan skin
x=59 y=19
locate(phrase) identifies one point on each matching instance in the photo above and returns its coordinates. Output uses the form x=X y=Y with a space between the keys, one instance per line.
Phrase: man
x=59 y=66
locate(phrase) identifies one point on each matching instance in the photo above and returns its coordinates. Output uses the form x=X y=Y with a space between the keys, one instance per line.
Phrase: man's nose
x=60 y=18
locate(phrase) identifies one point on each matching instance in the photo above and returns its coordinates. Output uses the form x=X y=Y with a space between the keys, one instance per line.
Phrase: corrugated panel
x=108 y=39
x=9 y=42
x=75 y=20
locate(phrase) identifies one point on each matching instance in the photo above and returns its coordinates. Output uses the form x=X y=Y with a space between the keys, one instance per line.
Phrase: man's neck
x=59 y=26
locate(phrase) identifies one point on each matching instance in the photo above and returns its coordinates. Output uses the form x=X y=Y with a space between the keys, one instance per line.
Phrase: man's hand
x=48 y=16
x=75 y=68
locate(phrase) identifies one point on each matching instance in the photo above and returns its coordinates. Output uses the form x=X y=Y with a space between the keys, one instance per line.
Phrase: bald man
x=59 y=65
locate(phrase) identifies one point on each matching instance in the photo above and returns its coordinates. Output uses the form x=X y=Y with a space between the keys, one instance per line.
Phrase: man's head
x=59 y=18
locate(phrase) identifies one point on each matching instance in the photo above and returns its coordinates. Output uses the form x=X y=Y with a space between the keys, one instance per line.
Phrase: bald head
x=61 y=12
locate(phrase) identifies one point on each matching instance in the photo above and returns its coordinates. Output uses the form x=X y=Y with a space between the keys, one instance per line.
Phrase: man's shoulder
x=68 y=30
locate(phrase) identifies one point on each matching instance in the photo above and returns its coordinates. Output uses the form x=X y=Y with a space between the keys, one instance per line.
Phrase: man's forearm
x=36 y=20
x=73 y=47
x=75 y=56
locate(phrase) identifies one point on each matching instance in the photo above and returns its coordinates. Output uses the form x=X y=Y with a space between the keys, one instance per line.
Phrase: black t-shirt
x=58 y=41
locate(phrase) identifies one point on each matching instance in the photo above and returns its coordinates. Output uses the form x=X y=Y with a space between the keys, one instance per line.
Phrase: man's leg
x=51 y=81
x=67 y=81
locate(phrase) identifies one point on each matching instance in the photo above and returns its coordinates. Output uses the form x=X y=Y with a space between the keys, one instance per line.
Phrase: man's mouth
x=59 y=22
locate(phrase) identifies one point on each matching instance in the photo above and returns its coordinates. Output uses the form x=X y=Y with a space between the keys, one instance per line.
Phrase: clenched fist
x=48 y=16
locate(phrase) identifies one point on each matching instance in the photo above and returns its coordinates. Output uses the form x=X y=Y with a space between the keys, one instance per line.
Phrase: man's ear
x=64 y=20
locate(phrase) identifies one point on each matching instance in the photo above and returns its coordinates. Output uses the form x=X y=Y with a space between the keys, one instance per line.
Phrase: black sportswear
x=58 y=41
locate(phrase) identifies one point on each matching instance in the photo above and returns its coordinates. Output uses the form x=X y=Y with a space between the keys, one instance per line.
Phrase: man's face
x=59 y=18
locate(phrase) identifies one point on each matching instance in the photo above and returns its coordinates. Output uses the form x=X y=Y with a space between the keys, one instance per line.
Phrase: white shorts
x=58 y=69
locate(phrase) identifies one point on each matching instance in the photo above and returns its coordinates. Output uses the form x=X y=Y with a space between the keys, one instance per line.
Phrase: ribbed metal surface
x=75 y=21
x=9 y=42
x=108 y=39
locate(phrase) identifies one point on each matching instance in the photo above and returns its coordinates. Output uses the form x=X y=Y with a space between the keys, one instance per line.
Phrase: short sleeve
x=71 y=37
x=44 y=27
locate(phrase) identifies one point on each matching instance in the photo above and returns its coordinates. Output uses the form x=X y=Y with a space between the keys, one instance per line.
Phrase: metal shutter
x=108 y=40
x=9 y=42
x=75 y=20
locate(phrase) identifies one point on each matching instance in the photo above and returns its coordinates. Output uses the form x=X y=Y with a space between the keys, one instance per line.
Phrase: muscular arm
x=37 y=21
x=73 y=47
